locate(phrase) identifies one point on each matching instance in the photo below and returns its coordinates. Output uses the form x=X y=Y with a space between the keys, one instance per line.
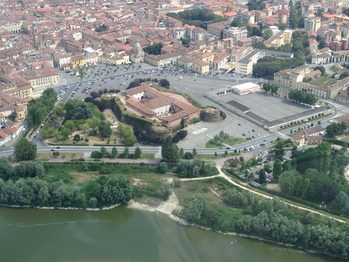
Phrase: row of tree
x=22 y=170
x=269 y=219
x=268 y=66
x=335 y=129
x=302 y=97
x=195 y=168
x=271 y=88
x=104 y=153
x=138 y=81
x=37 y=192
x=39 y=108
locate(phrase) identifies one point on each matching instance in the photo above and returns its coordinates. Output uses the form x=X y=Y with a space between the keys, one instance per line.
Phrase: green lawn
x=231 y=141
x=322 y=81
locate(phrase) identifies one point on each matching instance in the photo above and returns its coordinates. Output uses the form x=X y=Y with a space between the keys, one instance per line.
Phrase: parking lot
x=109 y=77
x=200 y=133
x=265 y=106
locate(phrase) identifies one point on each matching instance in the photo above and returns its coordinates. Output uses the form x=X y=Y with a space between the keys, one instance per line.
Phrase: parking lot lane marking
x=199 y=131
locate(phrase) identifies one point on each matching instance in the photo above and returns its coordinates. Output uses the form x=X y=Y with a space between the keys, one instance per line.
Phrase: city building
x=310 y=136
x=279 y=39
x=245 y=65
x=312 y=23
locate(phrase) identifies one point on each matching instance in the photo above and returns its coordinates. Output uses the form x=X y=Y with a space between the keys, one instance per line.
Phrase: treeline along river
x=123 y=234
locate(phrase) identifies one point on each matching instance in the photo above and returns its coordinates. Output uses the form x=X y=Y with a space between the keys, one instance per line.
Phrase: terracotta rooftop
x=154 y=99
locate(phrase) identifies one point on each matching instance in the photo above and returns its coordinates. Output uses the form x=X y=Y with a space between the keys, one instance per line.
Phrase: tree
x=302 y=97
x=271 y=88
x=127 y=135
x=162 y=167
x=13 y=116
x=96 y=154
x=114 y=152
x=188 y=156
x=181 y=153
x=341 y=203
x=279 y=151
x=164 y=83
x=77 y=110
x=296 y=19
x=195 y=153
x=101 y=28
x=40 y=107
x=344 y=75
x=137 y=153
x=238 y=22
x=104 y=129
x=277 y=169
x=181 y=134
x=197 y=16
x=30 y=169
x=6 y=170
x=126 y=152
x=335 y=129
x=25 y=150
x=104 y=152
x=262 y=177
x=185 y=41
x=267 y=34
x=154 y=49
x=182 y=124
x=255 y=5
x=282 y=27
x=169 y=151
x=77 y=138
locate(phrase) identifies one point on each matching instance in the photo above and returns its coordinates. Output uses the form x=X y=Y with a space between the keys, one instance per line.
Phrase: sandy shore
x=165 y=207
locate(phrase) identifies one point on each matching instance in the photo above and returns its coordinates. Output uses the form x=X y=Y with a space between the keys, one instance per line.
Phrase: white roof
x=245 y=86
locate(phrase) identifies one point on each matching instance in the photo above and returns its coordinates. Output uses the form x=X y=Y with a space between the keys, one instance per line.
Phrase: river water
x=123 y=234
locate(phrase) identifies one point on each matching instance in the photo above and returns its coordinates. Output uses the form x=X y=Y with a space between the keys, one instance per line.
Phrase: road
x=197 y=85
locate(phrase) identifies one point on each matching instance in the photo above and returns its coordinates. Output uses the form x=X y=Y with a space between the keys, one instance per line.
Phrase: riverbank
x=168 y=208
x=172 y=205
x=63 y=208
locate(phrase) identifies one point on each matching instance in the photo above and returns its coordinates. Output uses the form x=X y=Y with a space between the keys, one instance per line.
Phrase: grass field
x=145 y=181
x=322 y=81
x=231 y=141
x=210 y=190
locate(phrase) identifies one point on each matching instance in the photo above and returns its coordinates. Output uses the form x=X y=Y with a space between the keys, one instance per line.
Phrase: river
x=123 y=234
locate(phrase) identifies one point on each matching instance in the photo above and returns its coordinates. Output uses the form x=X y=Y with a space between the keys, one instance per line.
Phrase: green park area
x=77 y=122
x=223 y=139
x=217 y=205
x=322 y=81
x=197 y=16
